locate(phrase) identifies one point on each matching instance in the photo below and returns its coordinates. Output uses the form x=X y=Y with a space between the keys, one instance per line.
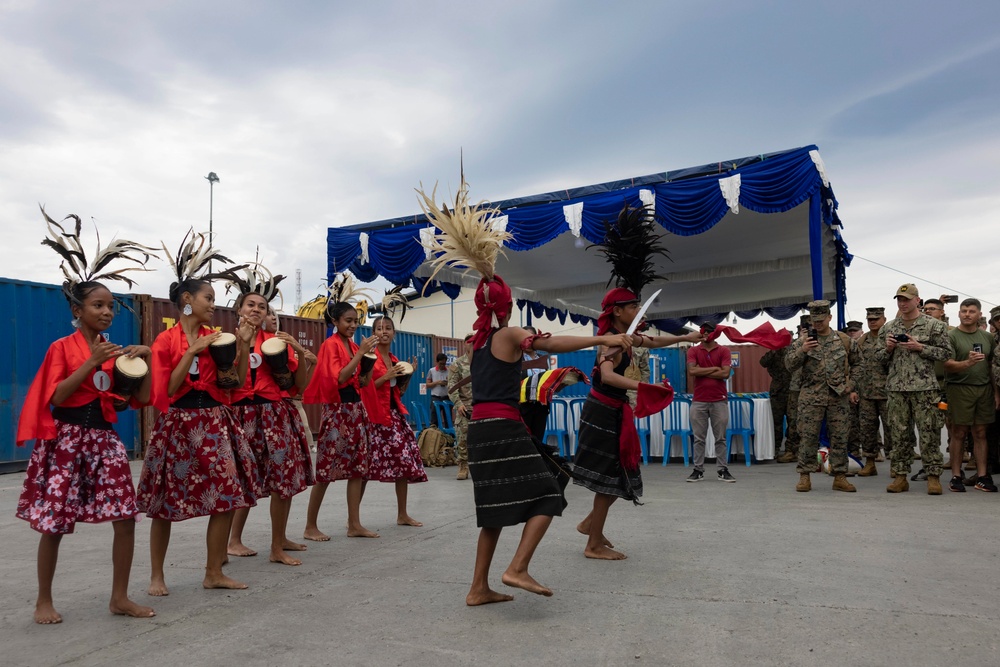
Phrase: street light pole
x=212 y=179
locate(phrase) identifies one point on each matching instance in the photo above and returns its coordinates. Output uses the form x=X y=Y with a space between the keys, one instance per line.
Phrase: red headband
x=619 y=296
x=493 y=305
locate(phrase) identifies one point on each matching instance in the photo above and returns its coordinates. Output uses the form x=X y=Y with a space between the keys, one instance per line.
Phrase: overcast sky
x=320 y=114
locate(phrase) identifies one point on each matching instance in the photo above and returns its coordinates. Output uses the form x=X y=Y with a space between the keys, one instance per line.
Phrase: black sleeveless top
x=494 y=380
x=606 y=389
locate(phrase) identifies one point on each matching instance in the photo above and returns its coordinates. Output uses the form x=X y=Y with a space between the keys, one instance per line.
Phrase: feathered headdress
x=255 y=279
x=394 y=299
x=194 y=259
x=345 y=289
x=468 y=237
x=630 y=246
x=75 y=266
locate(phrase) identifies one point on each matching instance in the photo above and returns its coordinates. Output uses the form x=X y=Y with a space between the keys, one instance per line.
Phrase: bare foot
x=282 y=557
x=361 y=531
x=584 y=529
x=315 y=535
x=288 y=545
x=240 y=549
x=525 y=581
x=604 y=553
x=474 y=599
x=129 y=608
x=222 y=581
x=158 y=587
x=407 y=520
x=46 y=614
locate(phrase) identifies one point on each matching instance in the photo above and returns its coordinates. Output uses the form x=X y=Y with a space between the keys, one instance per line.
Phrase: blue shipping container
x=34 y=316
x=407 y=346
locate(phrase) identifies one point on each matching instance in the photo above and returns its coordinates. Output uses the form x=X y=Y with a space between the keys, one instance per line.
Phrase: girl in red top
x=272 y=425
x=198 y=461
x=395 y=456
x=342 y=445
x=79 y=470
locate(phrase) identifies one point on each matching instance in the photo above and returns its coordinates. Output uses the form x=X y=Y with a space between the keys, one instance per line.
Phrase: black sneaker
x=696 y=476
x=985 y=483
x=724 y=475
x=957 y=484
x=919 y=476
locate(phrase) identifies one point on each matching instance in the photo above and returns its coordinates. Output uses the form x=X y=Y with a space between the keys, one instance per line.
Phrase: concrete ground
x=750 y=573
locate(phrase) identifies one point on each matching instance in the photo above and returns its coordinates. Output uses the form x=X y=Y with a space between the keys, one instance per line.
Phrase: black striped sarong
x=510 y=479
x=598 y=463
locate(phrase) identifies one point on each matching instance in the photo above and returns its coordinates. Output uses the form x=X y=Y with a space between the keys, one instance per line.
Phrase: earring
x=75 y=322
x=187 y=309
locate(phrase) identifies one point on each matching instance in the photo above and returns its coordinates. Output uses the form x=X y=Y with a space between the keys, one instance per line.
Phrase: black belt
x=196 y=399
x=88 y=416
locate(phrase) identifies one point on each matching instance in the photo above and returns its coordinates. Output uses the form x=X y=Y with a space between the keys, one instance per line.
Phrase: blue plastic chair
x=573 y=416
x=420 y=418
x=642 y=426
x=557 y=425
x=678 y=412
x=445 y=422
x=740 y=424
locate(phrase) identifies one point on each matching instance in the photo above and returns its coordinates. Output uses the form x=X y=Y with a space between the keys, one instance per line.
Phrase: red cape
x=168 y=348
x=62 y=359
x=264 y=385
x=378 y=402
x=324 y=387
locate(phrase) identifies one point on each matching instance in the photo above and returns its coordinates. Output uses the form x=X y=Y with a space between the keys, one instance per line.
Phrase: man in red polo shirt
x=709 y=363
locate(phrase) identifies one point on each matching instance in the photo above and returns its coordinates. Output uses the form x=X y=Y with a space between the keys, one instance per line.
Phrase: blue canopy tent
x=757 y=234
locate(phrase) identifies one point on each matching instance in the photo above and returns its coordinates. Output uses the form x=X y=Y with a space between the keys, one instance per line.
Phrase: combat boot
x=463 y=470
x=933 y=485
x=869 y=470
x=899 y=485
x=805 y=484
x=840 y=483
x=788 y=457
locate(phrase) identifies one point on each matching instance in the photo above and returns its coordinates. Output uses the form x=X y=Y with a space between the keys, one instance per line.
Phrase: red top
x=324 y=387
x=709 y=390
x=168 y=348
x=260 y=381
x=378 y=401
x=63 y=358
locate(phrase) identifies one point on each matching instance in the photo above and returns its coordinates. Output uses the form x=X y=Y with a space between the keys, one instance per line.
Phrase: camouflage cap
x=818 y=309
x=994 y=313
x=875 y=312
x=908 y=291
x=853 y=325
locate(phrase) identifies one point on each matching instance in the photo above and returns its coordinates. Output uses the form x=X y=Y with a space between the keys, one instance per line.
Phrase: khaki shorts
x=970 y=405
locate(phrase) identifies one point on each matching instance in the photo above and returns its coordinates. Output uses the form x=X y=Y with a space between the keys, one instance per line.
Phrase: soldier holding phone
x=972 y=396
x=908 y=346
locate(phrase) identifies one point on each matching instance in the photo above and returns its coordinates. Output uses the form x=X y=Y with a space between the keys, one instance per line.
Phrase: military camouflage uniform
x=874 y=406
x=825 y=393
x=781 y=380
x=914 y=391
x=792 y=435
x=461 y=396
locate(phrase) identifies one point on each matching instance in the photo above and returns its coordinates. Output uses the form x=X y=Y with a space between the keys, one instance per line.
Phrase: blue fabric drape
x=784 y=312
x=688 y=206
x=450 y=289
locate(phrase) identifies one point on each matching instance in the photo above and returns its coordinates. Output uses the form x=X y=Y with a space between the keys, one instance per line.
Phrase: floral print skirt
x=81 y=475
x=198 y=463
x=278 y=440
x=342 y=445
x=394 y=452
